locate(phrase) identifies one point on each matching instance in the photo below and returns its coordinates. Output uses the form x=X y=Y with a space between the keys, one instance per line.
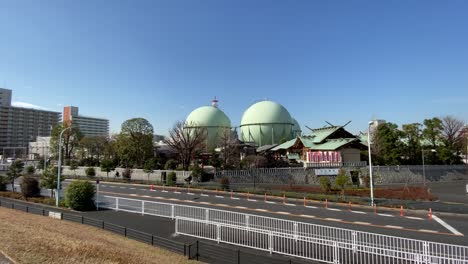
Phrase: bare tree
x=452 y=128
x=229 y=147
x=186 y=140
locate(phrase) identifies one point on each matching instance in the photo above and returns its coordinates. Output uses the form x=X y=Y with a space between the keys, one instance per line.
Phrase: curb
x=7 y=257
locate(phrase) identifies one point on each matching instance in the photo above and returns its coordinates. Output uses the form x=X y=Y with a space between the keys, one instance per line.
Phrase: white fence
x=305 y=240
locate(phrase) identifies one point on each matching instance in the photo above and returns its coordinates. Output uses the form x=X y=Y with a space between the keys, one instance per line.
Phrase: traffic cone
x=430 y=214
x=152 y=187
x=401 y=211
x=231 y=194
x=326 y=203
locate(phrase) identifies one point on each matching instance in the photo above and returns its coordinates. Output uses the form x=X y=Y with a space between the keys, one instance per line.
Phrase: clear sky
x=334 y=61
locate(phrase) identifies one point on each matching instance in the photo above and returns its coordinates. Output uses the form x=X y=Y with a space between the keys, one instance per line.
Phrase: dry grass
x=30 y=238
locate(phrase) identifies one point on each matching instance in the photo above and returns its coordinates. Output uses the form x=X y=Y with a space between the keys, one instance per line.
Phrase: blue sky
x=334 y=61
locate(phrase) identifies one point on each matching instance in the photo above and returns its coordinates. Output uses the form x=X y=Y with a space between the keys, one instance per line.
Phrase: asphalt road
x=412 y=224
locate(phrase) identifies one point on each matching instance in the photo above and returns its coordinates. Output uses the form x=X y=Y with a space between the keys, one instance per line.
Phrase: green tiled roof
x=318 y=140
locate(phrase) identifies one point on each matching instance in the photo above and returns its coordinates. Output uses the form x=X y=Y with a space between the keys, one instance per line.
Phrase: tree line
x=443 y=141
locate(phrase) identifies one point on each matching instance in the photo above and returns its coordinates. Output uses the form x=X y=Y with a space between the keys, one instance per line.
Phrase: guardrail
x=304 y=240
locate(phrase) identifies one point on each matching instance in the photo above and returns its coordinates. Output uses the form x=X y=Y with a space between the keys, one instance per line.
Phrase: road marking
x=449 y=227
x=235 y=198
x=334 y=209
x=308 y=216
x=251 y=200
x=288 y=204
x=362 y=223
x=176 y=192
x=146 y=196
x=132 y=194
x=240 y=207
x=164 y=191
x=430 y=231
x=285 y=213
x=174 y=199
x=358 y=212
x=190 y=193
x=205 y=202
x=217 y=196
x=270 y=202
x=110 y=186
x=261 y=210
x=122 y=187
x=333 y=219
x=414 y=218
x=131 y=188
x=152 y=190
x=392 y=226
x=310 y=206
x=206 y=195
x=387 y=215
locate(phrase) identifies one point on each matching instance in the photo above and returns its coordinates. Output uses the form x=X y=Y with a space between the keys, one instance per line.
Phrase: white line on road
x=288 y=204
x=217 y=196
x=240 y=207
x=333 y=219
x=430 y=231
x=309 y=216
x=449 y=227
x=177 y=192
x=361 y=223
x=270 y=202
x=387 y=215
x=414 y=218
x=131 y=188
x=146 y=196
x=235 y=198
x=392 y=226
x=164 y=191
x=334 y=209
x=205 y=202
x=358 y=212
x=174 y=199
x=285 y=213
x=261 y=210
x=122 y=187
x=251 y=200
x=190 y=193
x=132 y=194
x=206 y=195
x=310 y=206
x=110 y=186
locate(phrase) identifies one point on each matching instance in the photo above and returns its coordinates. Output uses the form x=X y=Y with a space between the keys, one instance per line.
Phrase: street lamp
x=370 y=165
x=57 y=196
x=424 y=168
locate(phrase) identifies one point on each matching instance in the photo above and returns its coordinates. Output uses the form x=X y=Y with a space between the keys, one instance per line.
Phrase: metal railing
x=305 y=240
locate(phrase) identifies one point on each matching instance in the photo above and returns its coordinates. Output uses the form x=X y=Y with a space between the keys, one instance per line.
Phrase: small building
x=88 y=126
x=330 y=147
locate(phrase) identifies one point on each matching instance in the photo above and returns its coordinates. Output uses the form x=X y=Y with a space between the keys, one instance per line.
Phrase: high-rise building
x=19 y=126
x=88 y=126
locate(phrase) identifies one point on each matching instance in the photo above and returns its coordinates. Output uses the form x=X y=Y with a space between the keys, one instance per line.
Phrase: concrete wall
x=137 y=174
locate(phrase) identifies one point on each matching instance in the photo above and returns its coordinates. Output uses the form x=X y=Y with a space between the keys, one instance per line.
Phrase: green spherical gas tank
x=266 y=123
x=213 y=120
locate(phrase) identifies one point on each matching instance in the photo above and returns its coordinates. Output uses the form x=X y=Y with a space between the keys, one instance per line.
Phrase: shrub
x=197 y=173
x=341 y=180
x=30 y=170
x=127 y=174
x=30 y=187
x=171 y=178
x=80 y=195
x=90 y=172
x=170 y=165
x=325 y=184
x=3 y=183
x=224 y=182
